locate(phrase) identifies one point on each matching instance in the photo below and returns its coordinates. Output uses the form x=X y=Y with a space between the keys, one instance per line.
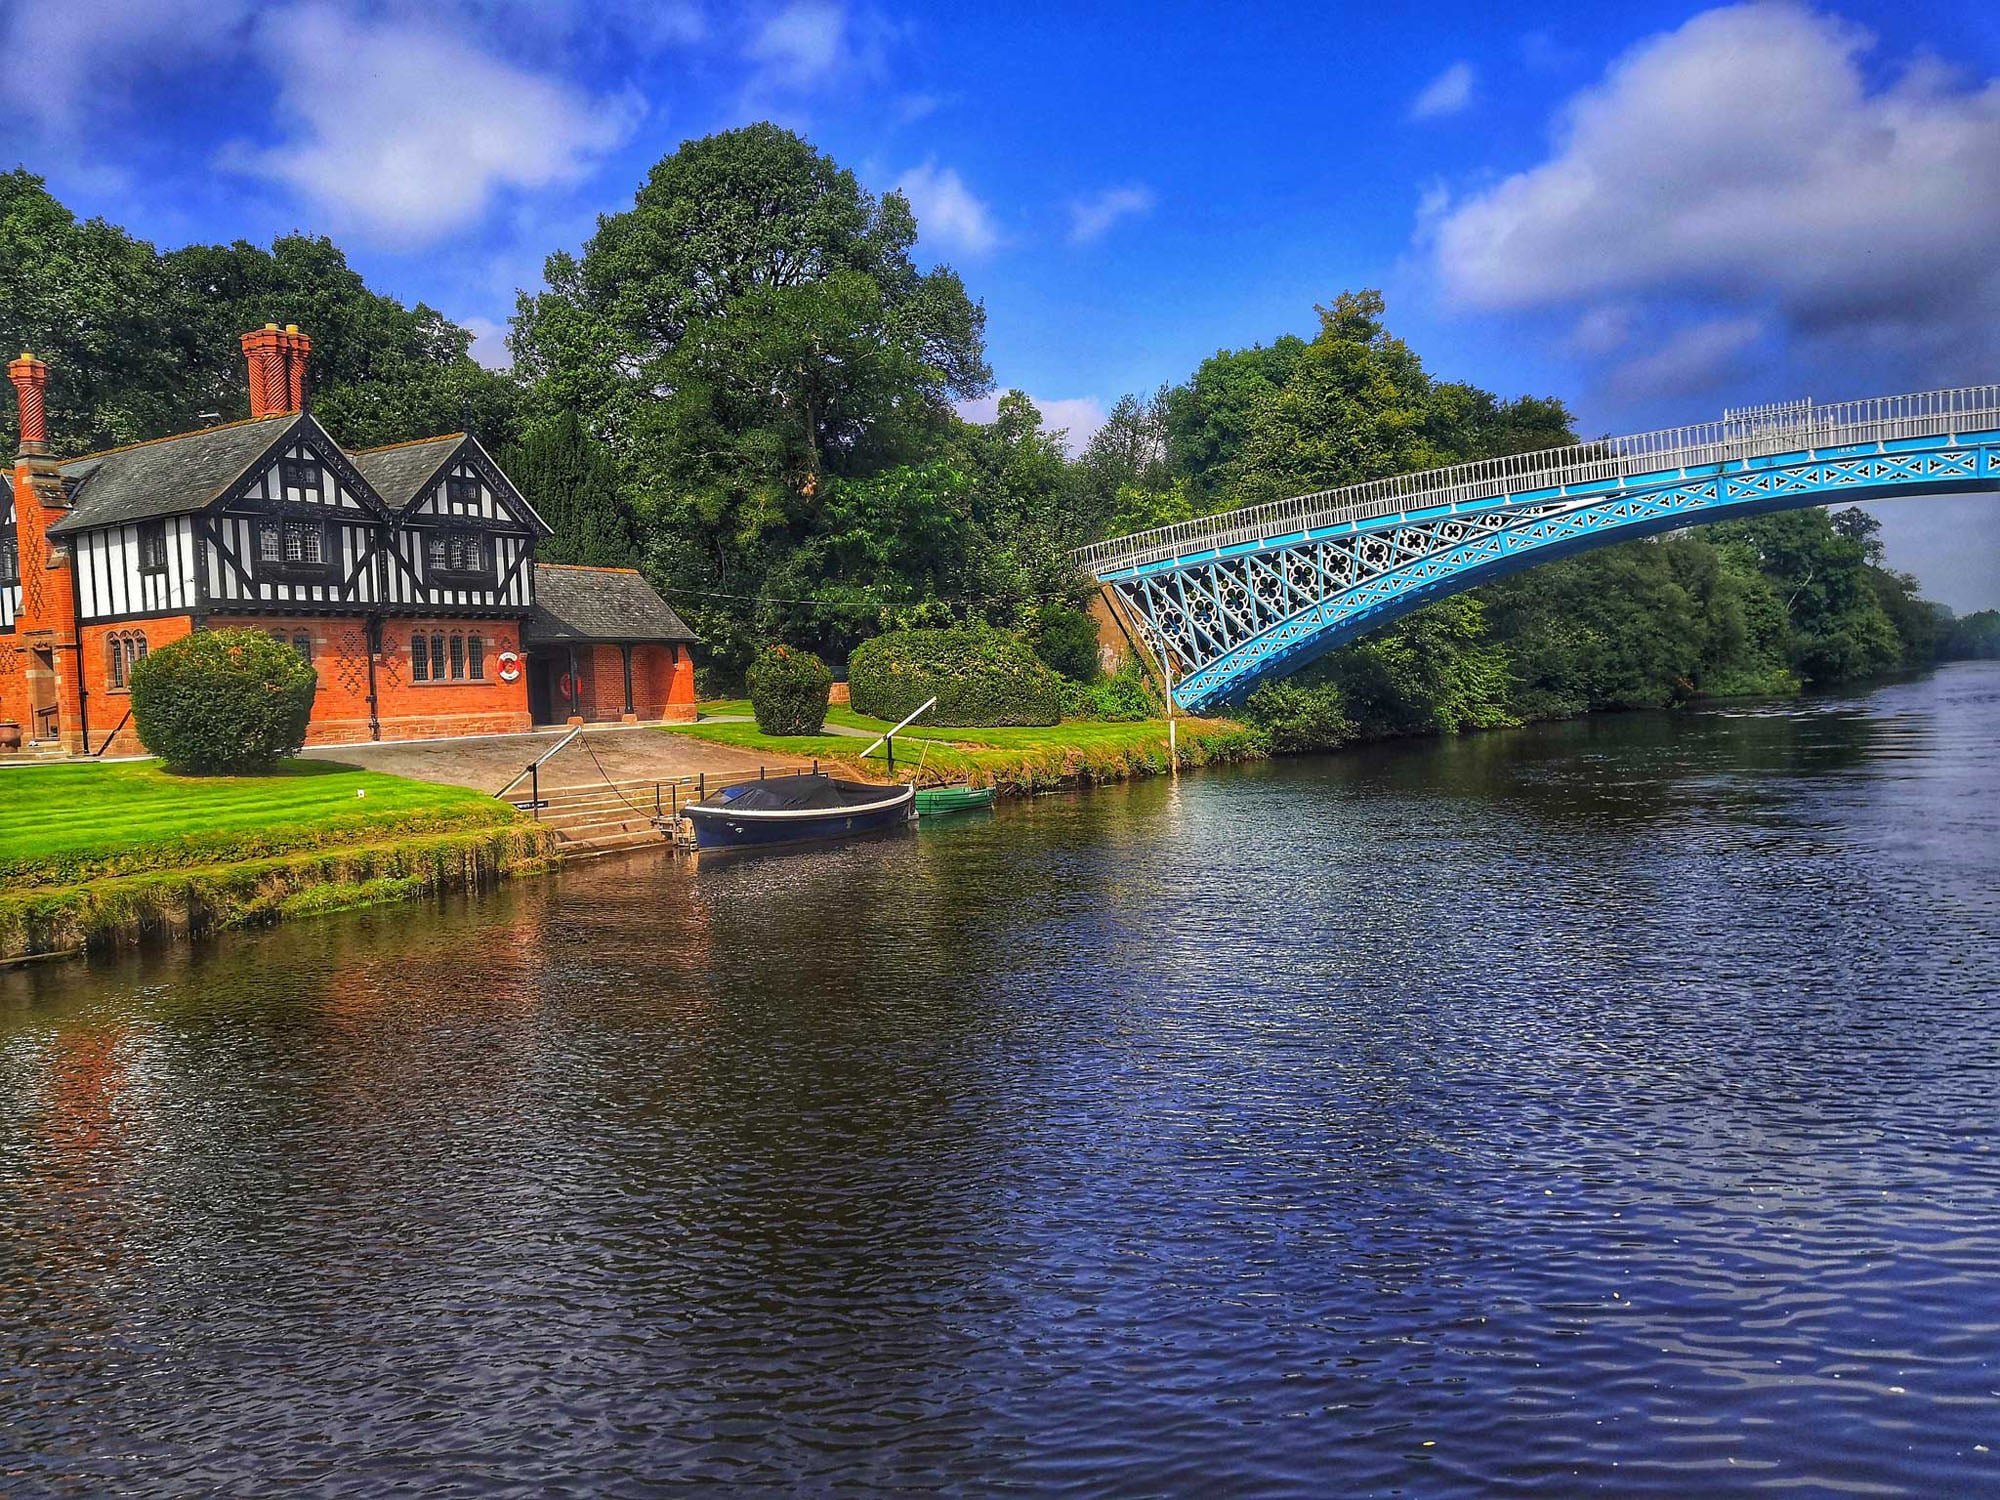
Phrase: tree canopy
x=142 y=344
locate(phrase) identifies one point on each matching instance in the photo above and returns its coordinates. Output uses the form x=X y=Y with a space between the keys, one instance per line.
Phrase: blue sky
x=1652 y=211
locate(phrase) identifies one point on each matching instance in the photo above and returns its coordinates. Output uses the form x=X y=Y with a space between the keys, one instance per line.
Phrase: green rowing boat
x=950 y=799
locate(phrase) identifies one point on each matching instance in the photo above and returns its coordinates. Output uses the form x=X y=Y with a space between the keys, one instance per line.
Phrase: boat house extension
x=405 y=574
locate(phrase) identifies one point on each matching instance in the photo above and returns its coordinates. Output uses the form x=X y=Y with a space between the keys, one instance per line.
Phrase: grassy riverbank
x=110 y=853
x=1016 y=760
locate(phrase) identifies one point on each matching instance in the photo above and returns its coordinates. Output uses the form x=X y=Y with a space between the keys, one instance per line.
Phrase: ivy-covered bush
x=789 y=691
x=979 y=675
x=1066 y=639
x=1123 y=698
x=222 y=700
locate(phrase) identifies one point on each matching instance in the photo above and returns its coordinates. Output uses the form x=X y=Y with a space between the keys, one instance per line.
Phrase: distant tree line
x=745 y=385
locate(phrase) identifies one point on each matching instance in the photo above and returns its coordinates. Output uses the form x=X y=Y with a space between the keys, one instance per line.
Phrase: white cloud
x=1746 y=163
x=949 y=216
x=802 y=43
x=402 y=131
x=1091 y=218
x=64 y=53
x=1447 y=94
x=1077 y=417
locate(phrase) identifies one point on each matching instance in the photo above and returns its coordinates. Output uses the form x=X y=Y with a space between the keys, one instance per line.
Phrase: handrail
x=889 y=734
x=98 y=753
x=1753 y=432
x=535 y=764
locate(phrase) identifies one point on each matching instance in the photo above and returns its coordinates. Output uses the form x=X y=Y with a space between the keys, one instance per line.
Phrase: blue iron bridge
x=1227 y=601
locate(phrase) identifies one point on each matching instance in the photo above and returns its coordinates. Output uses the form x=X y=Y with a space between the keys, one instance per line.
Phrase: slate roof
x=397 y=472
x=598 y=604
x=167 y=477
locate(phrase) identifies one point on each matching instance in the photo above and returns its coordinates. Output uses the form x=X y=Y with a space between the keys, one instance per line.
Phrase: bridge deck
x=1760 y=432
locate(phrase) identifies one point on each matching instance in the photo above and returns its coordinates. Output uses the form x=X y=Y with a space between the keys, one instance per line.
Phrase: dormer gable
x=266 y=463
x=451 y=479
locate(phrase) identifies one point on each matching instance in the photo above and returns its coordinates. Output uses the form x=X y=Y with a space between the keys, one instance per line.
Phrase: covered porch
x=603 y=647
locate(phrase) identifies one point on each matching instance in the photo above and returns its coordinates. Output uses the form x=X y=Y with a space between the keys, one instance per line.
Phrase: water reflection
x=1605 y=1104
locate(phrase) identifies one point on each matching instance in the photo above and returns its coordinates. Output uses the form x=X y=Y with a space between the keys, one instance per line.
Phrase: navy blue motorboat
x=796 y=810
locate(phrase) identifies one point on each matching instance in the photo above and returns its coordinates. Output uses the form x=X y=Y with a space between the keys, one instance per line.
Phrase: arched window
x=303 y=644
x=121 y=651
x=420 y=658
x=475 y=658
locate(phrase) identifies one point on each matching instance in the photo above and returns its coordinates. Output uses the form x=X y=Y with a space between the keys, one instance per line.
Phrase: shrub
x=1297 y=718
x=789 y=691
x=1124 y=698
x=1066 y=639
x=222 y=700
x=979 y=676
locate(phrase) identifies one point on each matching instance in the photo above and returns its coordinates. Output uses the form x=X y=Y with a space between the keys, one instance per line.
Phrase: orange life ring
x=510 y=667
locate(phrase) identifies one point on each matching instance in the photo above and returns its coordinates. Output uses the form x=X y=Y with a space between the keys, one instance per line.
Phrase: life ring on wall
x=565 y=689
x=510 y=667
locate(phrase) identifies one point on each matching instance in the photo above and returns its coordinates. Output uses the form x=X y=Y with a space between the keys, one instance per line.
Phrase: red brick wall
x=662 y=684
x=421 y=710
x=108 y=705
x=408 y=709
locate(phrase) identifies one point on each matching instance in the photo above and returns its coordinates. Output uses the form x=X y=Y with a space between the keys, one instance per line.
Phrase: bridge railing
x=1758 y=432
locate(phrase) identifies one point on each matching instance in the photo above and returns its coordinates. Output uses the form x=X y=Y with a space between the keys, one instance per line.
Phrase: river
x=1600 y=1106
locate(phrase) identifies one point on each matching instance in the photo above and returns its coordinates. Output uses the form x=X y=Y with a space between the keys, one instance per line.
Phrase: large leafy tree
x=142 y=344
x=89 y=299
x=750 y=334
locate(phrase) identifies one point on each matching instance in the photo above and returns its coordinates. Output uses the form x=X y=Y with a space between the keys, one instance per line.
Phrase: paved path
x=625 y=753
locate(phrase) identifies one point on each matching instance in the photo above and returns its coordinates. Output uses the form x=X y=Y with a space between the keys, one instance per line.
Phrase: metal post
x=815 y=765
x=702 y=794
x=760 y=773
x=656 y=799
x=535 y=790
x=892 y=757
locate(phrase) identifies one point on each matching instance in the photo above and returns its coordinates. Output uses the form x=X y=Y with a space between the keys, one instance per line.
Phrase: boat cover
x=797 y=793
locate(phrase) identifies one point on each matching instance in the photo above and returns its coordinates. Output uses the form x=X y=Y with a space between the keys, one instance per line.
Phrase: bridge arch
x=1235 y=599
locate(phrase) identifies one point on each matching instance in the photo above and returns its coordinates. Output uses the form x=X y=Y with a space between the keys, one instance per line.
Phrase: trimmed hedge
x=222 y=700
x=981 y=677
x=789 y=691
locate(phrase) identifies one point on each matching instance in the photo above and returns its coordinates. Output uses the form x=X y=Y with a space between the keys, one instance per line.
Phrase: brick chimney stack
x=277 y=359
x=31 y=377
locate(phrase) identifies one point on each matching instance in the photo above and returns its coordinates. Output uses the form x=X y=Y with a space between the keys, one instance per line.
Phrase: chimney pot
x=30 y=376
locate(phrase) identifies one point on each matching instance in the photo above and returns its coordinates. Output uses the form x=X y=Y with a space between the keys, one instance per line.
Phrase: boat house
x=405 y=574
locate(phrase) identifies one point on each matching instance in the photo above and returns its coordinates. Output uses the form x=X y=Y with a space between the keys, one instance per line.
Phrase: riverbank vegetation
x=1017 y=759
x=101 y=853
x=746 y=384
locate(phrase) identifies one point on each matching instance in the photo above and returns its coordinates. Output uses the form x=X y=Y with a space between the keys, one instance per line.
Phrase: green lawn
x=61 y=824
x=1023 y=757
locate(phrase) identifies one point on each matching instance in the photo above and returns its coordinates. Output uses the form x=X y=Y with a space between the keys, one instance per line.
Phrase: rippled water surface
x=1607 y=1106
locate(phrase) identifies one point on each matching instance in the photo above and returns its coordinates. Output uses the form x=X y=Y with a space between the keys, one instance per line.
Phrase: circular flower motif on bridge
x=1375 y=552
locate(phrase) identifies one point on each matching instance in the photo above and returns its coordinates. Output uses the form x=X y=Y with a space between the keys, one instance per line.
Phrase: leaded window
x=153 y=547
x=122 y=652
x=420 y=659
x=461 y=494
x=475 y=658
x=10 y=555
x=302 y=474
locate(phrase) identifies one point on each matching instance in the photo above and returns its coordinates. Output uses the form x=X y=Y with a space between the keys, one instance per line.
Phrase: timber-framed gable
x=301 y=529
